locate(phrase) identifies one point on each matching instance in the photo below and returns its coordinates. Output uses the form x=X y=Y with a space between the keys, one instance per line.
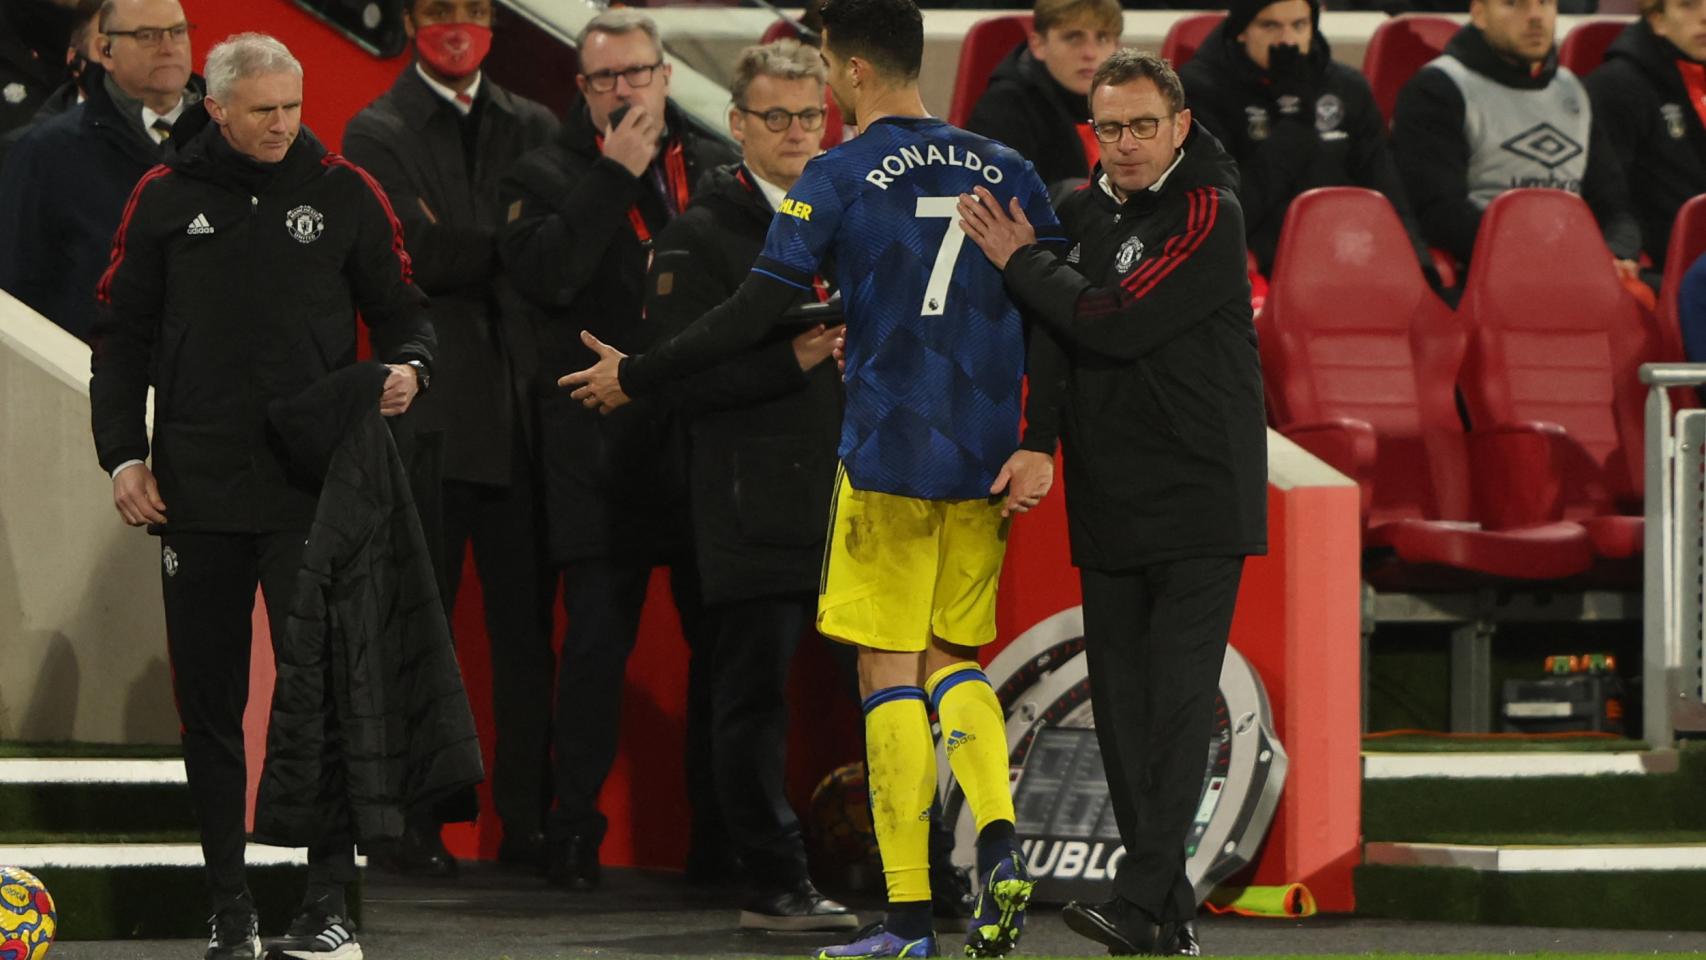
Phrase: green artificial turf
x=110 y=807
x=9 y=837
x=1622 y=900
x=1425 y=808
x=65 y=750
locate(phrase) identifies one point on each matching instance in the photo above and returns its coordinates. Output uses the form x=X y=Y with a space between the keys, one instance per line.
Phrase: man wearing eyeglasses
x=1160 y=406
x=581 y=214
x=64 y=185
x=763 y=429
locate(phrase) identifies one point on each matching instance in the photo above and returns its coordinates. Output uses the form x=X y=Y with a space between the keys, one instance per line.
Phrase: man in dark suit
x=64 y=185
x=438 y=141
x=581 y=214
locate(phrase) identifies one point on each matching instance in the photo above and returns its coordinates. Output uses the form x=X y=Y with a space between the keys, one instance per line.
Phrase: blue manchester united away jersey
x=935 y=349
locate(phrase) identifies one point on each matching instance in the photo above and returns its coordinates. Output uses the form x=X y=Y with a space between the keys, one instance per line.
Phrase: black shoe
x=573 y=863
x=316 y=934
x=797 y=908
x=236 y=933
x=524 y=850
x=1183 y=942
x=419 y=852
x=1120 y=926
x=951 y=896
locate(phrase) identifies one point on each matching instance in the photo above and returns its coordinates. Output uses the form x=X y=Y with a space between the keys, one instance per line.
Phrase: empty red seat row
x=1364 y=366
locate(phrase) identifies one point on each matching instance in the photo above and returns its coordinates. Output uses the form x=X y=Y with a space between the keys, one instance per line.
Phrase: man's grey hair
x=1127 y=65
x=783 y=59
x=246 y=55
x=619 y=21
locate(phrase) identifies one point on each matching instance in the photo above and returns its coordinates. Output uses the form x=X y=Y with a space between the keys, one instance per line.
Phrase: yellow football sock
x=975 y=731
x=900 y=761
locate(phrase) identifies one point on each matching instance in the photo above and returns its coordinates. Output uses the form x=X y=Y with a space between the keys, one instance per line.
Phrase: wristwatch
x=423 y=376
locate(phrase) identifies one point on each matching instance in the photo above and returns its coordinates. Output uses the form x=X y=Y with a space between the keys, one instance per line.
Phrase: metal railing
x=1673 y=683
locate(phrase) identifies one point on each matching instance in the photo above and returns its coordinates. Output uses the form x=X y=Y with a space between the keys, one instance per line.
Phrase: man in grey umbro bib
x=1496 y=112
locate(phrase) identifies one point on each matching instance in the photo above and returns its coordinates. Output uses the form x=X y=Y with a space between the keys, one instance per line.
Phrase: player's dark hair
x=1128 y=66
x=888 y=34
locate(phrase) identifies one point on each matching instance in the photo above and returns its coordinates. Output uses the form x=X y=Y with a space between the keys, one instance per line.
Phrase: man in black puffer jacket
x=581 y=213
x=1267 y=86
x=764 y=429
x=1160 y=390
x=1650 y=96
x=236 y=276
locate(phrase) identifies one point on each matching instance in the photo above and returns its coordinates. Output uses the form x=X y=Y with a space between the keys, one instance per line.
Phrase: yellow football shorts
x=897 y=570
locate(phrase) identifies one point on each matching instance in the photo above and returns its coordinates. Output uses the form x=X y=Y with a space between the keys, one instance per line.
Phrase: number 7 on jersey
x=936 y=290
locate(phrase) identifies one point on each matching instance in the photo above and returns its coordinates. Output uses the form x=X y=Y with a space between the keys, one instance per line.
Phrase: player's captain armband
x=795 y=208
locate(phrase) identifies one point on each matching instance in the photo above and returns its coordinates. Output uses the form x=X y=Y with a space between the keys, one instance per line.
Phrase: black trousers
x=208 y=581
x=602 y=599
x=504 y=526
x=755 y=647
x=1156 y=637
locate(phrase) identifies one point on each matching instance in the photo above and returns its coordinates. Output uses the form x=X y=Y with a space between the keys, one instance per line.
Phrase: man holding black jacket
x=1155 y=372
x=247 y=197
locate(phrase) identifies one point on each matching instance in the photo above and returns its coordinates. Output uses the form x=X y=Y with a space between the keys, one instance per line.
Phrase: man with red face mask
x=438 y=141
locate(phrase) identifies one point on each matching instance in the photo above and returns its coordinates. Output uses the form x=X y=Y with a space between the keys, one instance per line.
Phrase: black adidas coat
x=1653 y=124
x=232 y=284
x=1284 y=147
x=763 y=434
x=614 y=485
x=369 y=716
x=1160 y=392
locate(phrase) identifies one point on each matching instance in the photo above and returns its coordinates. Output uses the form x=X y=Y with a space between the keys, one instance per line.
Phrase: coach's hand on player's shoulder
x=841 y=351
x=998 y=232
x=136 y=494
x=634 y=142
x=1027 y=477
x=816 y=345
x=598 y=386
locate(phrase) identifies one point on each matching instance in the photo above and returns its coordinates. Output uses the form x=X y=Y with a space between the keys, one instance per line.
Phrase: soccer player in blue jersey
x=935 y=354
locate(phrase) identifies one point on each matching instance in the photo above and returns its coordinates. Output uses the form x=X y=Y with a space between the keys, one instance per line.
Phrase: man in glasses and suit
x=580 y=217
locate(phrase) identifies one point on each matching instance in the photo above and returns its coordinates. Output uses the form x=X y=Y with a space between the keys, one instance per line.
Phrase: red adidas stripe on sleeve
x=103 y=290
x=397 y=247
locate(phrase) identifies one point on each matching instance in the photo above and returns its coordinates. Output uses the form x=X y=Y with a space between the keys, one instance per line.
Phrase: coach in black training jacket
x=1166 y=460
x=235 y=282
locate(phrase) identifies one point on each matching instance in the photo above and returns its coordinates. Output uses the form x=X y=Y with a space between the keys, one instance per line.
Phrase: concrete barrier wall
x=82 y=637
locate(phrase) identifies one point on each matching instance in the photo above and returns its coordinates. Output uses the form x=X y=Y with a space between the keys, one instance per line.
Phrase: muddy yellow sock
x=900 y=761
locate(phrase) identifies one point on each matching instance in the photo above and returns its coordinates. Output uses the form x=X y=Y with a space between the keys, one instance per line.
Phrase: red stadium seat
x=1186 y=35
x=985 y=45
x=1585 y=45
x=1362 y=358
x=1397 y=49
x=1687 y=243
x=1556 y=339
